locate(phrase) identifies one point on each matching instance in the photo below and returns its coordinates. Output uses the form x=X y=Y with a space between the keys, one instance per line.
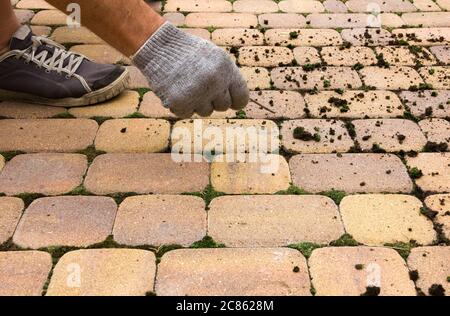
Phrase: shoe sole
x=94 y=97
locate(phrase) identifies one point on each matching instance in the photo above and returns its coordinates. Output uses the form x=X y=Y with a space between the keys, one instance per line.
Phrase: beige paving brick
x=282 y=20
x=367 y=36
x=34 y=5
x=393 y=78
x=265 y=56
x=227 y=271
x=340 y=56
x=223 y=20
x=427 y=103
x=160 y=220
x=381 y=5
x=426 y=5
x=101 y=53
x=424 y=36
x=431 y=264
x=104 y=272
x=436 y=130
x=306 y=6
x=19 y=110
x=335 y=6
x=326 y=78
x=47 y=135
x=133 y=135
x=49 y=174
x=137 y=79
x=263 y=174
x=49 y=17
x=145 y=173
x=14 y=2
x=391 y=135
x=427 y=19
x=332 y=136
x=442 y=53
x=151 y=106
x=198 y=6
x=23 y=273
x=351 y=173
x=438 y=77
x=23 y=16
x=177 y=19
x=371 y=104
x=436 y=171
x=121 y=106
x=378 y=219
x=283 y=104
x=273 y=220
x=46 y=221
x=41 y=30
x=303 y=37
x=306 y=55
x=79 y=35
x=388 y=20
x=440 y=203
x=334 y=271
x=2 y=162
x=238 y=37
x=256 y=77
x=444 y=4
x=255 y=6
x=406 y=56
x=10 y=213
x=342 y=20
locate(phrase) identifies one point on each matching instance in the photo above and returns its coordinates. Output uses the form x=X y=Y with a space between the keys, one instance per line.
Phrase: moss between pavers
x=292 y=190
x=91 y=153
x=306 y=248
x=403 y=249
x=29 y=198
x=335 y=195
x=208 y=194
x=8 y=155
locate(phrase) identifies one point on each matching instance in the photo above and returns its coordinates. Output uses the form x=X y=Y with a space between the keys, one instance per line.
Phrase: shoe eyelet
x=47 y=71
x=68 y=77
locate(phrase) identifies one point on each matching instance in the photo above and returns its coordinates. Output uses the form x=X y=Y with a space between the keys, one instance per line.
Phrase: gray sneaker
x=38 y=70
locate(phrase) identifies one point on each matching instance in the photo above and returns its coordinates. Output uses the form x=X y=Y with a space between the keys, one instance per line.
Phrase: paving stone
x=24 y=273
x=444 y=4
x=121 y=106
x=426 y=5
x=34 y=5
x=306 y=6
x=423 y=36
x=10 y=213
x=367 y=36
x=380 y=6
x=340 y=56
x=47 y=135
x=342 y=20
x=442 y=53
x=431 y=263
x=238 y=37
x=436 y=171
x=104 y=272
x=221 y=20
x=133 y=135
x=335 y=6
x=283 y=104
x=2 y=162
x=393 y=78
x=79 y=35
x=436 y=130
x=145 y=173
x=270 y=221
x=227 y=271
x=256 y=77
x=282 y=20
x=263 y=174
x=427 y=103
x=46 y=221
x=255 y=6
x=104 y=54
x=370 y=104
x=391 y=135
x=137 y=79
x=351 y=173
x=388 y=20
x=19 y=110
x=23 y=16
x=334 y=273
x=48 y=174
x=306 y=55
x=303 y=37
x=427 y=19
x=326 y=78
x=206 y=136
x=265 y=56
x=406 y=56
x=438 y=77
x=440 y=203
x=151 y=106
x=177 y=19
x=332 y=136
x=41 y=30
x=379 y=219
x=198 y=6
x=160 y=220
x=49 y=17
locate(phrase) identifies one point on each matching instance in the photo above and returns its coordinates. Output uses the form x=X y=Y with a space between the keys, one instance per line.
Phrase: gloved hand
x=189 y=74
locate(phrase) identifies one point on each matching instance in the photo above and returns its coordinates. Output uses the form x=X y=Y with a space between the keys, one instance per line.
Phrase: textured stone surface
x=77 y=35
x=302 y=37
x=394 y=78
x=237 y=37
x=406 y=56
x=306 y=6
x=282 y=20
x=427 y=103
x=441 y=203
x=339 y=56
x=17 y=110
x=436 y=171
x=437 y=131
x=265 y=56
x=437 y=77
x=222 y=20
x=10 y=213
x=442 y=53
x=367 y=36
x=282 y=104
